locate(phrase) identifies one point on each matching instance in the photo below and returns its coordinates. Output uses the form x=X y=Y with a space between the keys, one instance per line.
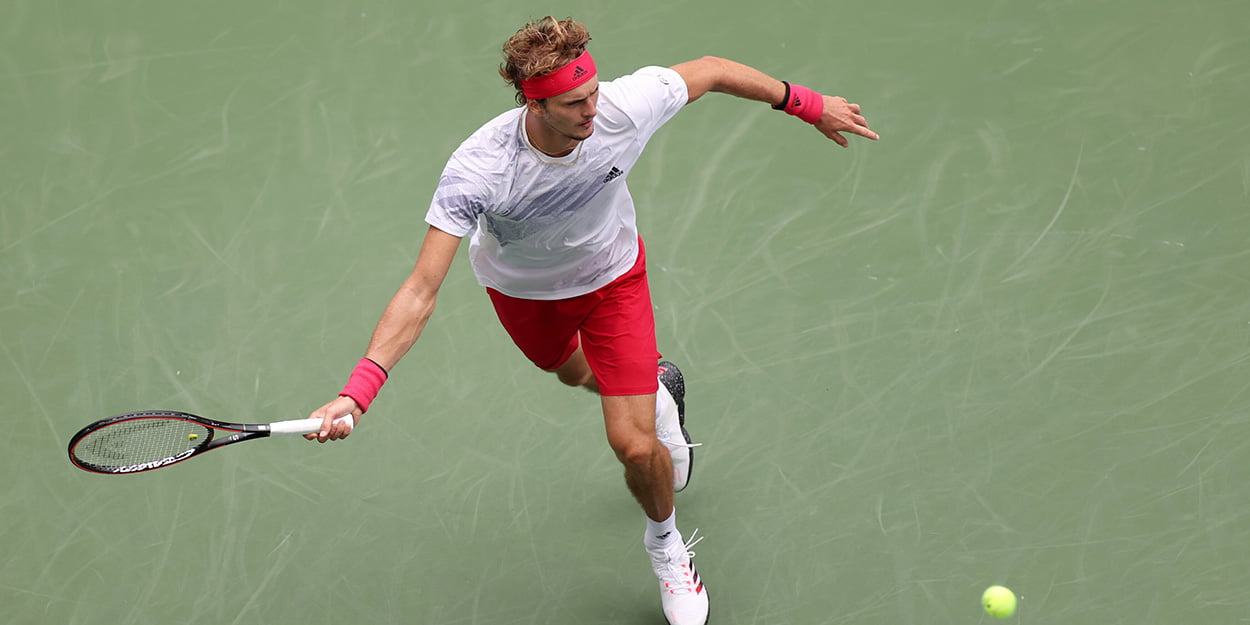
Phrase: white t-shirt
x=552 y=228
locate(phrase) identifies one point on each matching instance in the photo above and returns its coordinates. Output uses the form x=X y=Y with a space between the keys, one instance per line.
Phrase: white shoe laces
x=681 y=443
x=672 y=437
x=675 y=573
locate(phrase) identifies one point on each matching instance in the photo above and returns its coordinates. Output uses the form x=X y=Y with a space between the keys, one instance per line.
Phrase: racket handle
x=306 y=426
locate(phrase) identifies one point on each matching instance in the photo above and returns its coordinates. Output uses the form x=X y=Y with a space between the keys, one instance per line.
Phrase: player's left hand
x=840 y=116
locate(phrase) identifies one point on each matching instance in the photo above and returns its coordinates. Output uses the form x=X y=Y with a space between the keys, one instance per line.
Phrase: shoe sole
x=677 y=389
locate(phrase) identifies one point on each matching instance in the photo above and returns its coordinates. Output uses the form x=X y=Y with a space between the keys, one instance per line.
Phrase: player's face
x=571 y=115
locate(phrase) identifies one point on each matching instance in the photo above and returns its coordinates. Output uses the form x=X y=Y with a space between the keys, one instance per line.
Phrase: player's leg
x=620 y=331
x=669 y=410
x=629 y=421
x=630 y=424
x=618 y=339
x=576 y=371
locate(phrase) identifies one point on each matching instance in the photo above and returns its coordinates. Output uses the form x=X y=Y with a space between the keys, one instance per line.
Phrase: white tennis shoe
x=670 y=425
x=682 y=593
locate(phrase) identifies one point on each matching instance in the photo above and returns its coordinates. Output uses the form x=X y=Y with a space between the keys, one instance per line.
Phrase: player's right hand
x=331 y=431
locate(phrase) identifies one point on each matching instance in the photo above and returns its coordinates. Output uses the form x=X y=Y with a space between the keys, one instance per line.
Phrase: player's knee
x=635 y=450
x=575 y=378
x=568 y=379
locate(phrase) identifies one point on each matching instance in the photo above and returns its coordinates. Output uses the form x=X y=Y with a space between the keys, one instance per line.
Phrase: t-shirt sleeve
x=650 y=97
x=458 y=200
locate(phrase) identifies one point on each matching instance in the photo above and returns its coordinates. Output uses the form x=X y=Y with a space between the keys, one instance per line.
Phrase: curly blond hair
x=541 y=47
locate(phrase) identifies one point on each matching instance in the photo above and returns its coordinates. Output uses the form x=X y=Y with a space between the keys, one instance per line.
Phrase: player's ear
x=536 y=107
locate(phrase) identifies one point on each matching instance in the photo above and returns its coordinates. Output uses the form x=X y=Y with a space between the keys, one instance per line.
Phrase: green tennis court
x=1007 y=344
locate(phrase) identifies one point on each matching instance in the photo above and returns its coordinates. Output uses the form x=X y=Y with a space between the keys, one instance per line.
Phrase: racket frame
x=233 y=433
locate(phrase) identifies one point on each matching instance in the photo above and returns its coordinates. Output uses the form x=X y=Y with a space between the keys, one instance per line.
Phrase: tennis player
x=540 y=191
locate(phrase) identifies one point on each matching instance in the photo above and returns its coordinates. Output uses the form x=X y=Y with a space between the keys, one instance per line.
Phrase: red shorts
x=614 y=325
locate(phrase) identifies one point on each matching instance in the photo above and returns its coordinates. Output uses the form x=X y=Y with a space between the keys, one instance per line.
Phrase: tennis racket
x=152 y=439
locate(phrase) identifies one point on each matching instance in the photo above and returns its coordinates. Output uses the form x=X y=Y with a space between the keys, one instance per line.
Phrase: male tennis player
x=541 y=192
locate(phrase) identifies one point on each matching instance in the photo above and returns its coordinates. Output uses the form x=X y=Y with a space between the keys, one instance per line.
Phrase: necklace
x=563 y=161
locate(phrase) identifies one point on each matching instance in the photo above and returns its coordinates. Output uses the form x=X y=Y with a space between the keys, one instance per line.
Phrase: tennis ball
x=999 y=601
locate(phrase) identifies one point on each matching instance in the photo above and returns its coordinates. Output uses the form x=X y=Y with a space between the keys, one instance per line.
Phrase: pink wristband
x=365 y=382
x=803 y=103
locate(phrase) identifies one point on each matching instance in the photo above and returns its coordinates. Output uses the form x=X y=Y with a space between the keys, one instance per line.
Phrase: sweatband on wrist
x=781 y=106
x=365 y=382
x=802 y=103
x=567 y=78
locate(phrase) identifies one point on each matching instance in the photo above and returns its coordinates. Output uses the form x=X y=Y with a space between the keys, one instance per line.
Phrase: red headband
x=564 y=79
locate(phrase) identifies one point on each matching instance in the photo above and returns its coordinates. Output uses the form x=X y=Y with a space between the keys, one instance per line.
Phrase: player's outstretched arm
x=401 y=324
x=831 y=115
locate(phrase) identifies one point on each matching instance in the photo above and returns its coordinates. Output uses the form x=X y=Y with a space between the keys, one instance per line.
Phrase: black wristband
x=785 y=100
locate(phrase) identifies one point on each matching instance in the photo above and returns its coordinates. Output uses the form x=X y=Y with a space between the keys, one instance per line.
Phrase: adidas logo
x=666 y=535
x=796 y=103
x=578 y=72
x=613 y=175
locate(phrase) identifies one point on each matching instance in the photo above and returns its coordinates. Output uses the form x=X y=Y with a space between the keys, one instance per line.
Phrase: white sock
x=661 y=534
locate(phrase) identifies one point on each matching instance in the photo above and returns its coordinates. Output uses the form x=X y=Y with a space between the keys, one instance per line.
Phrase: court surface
x=1009 y=343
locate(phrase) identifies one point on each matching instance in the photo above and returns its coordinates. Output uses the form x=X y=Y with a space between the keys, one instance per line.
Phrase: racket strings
x=139 y=441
